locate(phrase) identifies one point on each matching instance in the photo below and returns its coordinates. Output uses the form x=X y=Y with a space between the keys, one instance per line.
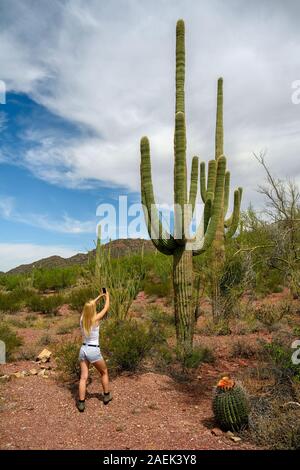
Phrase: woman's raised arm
x=101 y=314
x=99 y=297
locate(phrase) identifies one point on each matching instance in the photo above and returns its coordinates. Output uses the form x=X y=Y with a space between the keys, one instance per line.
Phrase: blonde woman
x=90 y=351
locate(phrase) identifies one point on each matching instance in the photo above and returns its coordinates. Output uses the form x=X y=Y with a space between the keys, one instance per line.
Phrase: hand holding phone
x=103 y=290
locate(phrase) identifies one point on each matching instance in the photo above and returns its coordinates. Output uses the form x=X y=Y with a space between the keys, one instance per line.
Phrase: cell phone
x=104 y=290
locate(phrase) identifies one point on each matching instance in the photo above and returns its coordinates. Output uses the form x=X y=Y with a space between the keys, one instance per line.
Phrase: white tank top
x=93 y=337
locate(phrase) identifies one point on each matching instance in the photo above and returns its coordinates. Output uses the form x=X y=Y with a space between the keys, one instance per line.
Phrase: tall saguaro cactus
x=226 y=227
x=181 y=245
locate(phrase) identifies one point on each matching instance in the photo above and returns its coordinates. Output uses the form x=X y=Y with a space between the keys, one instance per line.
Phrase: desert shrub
x=275 y=425
x=80 y=295
x=269 y=314
x=13 y=300
x=47 y=305
x=46 y=339
x=248 y=316
x=30 y=318
x=157 y=279
x=55 y=278
x=8 y=303
x=296 y=330
x=67 y=326
x=157 y=288
x=269 y=280
x=67 y=359
x=16 y=322
x=163 y=355
x=12 y=281
x=126 y=343
x=41 y=323
x=280 y=356
x=198 y=355
x=232 y=275
x=11 y=339
x=160 y=318
x=27 y=353
x=245 y=349
x=220 y=328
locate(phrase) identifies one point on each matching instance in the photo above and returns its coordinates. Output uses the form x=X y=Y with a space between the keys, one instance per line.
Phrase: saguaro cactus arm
x=226 y=192
x=216 y=207
x=156 y=242
x=194 y=182
x=211 y=179
x=203 y=181
x=219 y=137
x=233 y=221
x=161 y=238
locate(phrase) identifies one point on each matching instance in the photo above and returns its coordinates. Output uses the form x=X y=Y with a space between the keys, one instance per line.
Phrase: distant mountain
x=120 y=247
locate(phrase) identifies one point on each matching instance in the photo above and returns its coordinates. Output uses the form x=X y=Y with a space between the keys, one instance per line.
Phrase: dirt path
x=149 y=411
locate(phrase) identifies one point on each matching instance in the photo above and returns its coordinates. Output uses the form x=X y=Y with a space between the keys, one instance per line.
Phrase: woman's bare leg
x=102 y=369
x=84 y=374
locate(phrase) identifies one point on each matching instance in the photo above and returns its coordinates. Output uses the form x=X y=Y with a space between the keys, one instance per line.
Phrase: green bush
x=9 y=303
x=280 y=356
x=11 y=339
x=268 y=315
x=296 y=330
x=67 y=326
x=55 y=278
x=80 y=295
x=158 y=275
x=12 y=301
x=220 y=328
x=160 y=319
x=269 y=281
x=67 y=360
x=197 y=356
x=157 y=288
x=12 y=281
x=275 y=426
x=126 y=343
x=48 y=305
x=163 y=356
x=242 y=348
x=46 y=339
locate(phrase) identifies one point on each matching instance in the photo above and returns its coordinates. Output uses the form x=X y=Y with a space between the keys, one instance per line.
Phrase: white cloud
x=65 y=225
x=109 y=66
x=14 y=254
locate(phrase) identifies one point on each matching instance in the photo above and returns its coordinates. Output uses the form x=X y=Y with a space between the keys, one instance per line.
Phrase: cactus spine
x=226 y=227
x=230 y=405
x=179 y=244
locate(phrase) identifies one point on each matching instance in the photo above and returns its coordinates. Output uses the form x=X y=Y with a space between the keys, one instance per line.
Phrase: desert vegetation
x=224 y=314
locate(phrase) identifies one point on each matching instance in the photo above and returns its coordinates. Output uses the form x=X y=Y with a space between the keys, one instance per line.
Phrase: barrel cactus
x=230 y=405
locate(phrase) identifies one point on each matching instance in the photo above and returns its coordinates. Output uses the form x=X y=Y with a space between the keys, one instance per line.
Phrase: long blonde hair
x=88 y=316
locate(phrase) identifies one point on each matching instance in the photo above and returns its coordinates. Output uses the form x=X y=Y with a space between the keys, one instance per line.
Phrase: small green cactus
x=230 y=405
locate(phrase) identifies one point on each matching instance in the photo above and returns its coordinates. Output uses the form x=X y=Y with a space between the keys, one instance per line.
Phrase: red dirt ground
x=149 y=410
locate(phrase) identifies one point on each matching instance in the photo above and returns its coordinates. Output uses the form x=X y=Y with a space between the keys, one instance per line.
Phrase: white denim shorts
x=90 y=353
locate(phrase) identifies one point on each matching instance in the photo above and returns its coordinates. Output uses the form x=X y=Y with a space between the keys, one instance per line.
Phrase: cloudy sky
x=85 y=79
